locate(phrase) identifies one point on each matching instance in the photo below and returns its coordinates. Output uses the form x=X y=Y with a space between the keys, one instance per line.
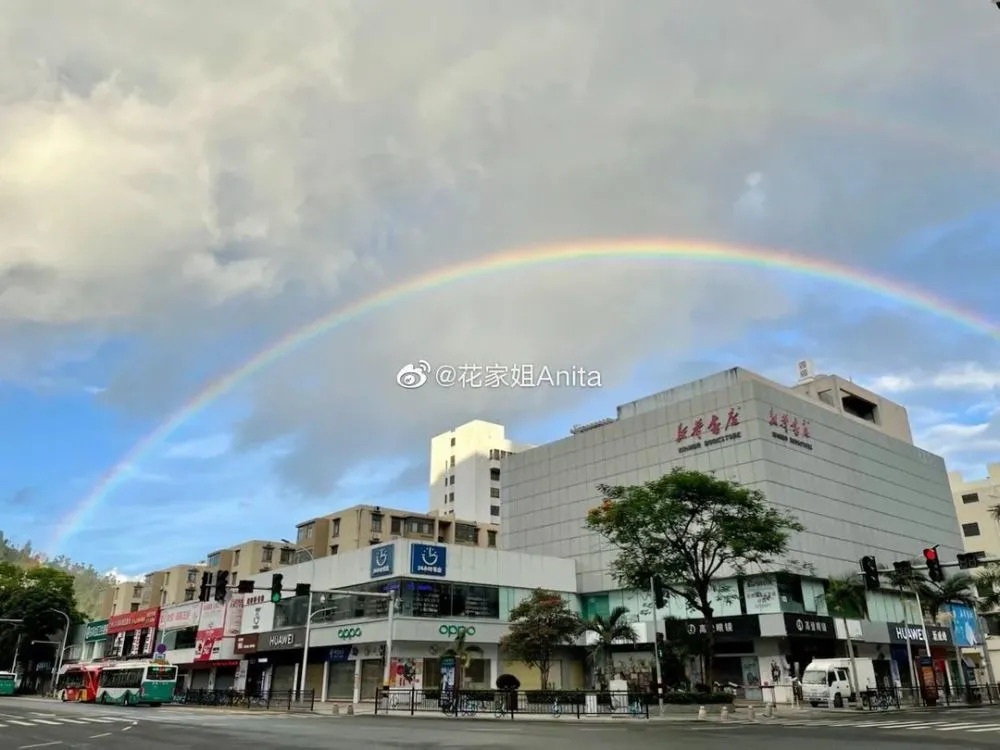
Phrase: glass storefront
x=417 y=599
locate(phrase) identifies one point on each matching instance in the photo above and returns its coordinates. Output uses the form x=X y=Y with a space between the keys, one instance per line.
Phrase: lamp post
x=309 y=613
x=62 y=650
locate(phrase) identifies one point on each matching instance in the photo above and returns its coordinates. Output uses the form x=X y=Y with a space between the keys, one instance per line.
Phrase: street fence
x=273 y=700
x=886 y=698
x=510 y=703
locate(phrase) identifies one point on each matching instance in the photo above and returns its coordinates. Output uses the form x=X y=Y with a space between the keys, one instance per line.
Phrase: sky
x=181 y=186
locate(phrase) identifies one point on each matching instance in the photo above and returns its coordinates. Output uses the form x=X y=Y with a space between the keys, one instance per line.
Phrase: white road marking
x=95 y=736
x=955 y=727
x=46 y=721
x=42 y=744
x=20 y=723
x=128 y=727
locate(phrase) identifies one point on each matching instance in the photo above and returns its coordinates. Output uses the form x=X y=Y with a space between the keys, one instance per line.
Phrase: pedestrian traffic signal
x=658 y=595
x=221 y=585
x=302 y=589
x=206 y=587
x=869 y=567
x=245 y=587
x=904 y=569
x=934 y=571
x=276 y=580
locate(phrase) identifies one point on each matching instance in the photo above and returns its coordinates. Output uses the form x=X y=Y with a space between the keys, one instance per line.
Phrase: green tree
x=957 y=589
x=36 y=596
x=463 y=653
x=538 y=626
x=607 y=631
x=690 y=528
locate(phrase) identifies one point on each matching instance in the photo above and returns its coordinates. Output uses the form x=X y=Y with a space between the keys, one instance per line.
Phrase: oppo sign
x=454 y=630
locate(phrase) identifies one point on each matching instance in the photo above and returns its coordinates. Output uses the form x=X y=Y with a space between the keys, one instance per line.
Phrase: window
x=133 y=607
x=970 y=529
x=192 y=575
x=972 y=497
x=189 y=595
x=215 y=560
x=494 y=511
x=266 y=553
x=491 y=538
x=137 y=590
x=377 y=523
x=494 y=475
x=466 y=533
x=494 y=492
x=287 y=555
x=305 y=532
x=451 y=464
x=451 y=497
x=451 y=480
x=335 y=531
x=420 y=526
x=453 y=442
x=236 y=558
x=397 y=525
x=334 y=549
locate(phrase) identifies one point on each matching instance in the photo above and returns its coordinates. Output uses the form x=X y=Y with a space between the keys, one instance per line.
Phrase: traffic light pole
x=656 y=649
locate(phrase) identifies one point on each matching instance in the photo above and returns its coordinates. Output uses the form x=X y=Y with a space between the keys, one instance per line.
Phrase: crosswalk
x=984 y=726
x=12 y=721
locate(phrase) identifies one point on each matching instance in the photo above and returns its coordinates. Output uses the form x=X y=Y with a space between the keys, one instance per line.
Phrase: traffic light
x=970 y=560
x=661 y=647
x=221 y=585
x=245 y=587
x=904 y=569
x=206 y=587
x=302 y=589
x=658 y=596
x=934 y=571
x=276 y=580
x=869 y=567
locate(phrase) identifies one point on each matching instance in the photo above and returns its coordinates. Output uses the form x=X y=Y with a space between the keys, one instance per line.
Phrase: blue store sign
x=964 y=625
x=339 y=654
x=382 y=561
x=428 y=560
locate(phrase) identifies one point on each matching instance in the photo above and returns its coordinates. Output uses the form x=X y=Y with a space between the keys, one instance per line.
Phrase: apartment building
x=125 y=596
x=976 y=502
x=466 y=466
x=161 y=588
x=366 y=525
x=249 y=558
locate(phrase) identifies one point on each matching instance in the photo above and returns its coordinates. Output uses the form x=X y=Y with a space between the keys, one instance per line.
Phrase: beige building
x=974 y=503
x=247 y=559
x=367 y=525
x=161 y=588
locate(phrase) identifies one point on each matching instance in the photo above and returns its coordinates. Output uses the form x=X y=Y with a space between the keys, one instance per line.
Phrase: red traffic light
x=930 y=554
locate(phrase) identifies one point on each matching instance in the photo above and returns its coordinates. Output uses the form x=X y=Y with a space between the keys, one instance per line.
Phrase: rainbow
x=693 y=250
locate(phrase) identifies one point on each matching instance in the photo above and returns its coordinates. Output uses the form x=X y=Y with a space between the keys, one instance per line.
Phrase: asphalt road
x=38 y=725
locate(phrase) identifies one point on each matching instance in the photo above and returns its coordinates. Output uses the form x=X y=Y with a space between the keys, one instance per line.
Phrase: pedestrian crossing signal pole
x=659 y=602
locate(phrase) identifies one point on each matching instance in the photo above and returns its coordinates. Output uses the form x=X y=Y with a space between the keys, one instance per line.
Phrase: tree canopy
x=689 y=529
x=607 y=632
x=538 y=626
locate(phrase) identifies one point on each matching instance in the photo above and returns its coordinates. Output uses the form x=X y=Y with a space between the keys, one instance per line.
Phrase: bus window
x=168 y=674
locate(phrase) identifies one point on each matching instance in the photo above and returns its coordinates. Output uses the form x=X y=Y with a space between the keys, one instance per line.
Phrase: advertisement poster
x=407 y=673
x=447 y=674
x=234 y=615
x=210 y=630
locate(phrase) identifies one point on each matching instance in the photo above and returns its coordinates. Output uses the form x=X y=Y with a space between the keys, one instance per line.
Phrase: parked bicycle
x=876 y=700
x=556 y=708
x=500 y=708
x=633 y=707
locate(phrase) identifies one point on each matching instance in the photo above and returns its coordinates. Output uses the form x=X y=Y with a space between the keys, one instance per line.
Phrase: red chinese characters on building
x=144 y=618
x=789 y=424
x=711 y=424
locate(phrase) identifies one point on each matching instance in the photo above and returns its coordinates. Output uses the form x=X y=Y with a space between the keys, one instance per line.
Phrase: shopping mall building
x=838 y=457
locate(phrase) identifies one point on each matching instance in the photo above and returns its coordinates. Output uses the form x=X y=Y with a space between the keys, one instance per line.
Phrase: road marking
x=987 y=728
x=42 y=744
x=72 y=721
x=49 y=716
x=956 y=727
x=101 y=721
x=128 y=727
x=95 y=736
x=20 y=723
x=46 y=721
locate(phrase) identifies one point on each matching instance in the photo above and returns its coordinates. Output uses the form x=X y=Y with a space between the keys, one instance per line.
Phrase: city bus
x=8 y=683
x=149 y=683
x=78 y=683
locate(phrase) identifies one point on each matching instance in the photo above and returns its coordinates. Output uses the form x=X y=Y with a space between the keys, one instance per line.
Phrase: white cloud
x=211 y=446
x=121 y=577
x=969 y=376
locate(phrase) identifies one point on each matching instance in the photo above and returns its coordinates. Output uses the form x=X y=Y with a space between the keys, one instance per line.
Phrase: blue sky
x=176 y=204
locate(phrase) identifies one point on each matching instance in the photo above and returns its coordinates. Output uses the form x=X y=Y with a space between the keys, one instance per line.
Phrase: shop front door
x=371 y=678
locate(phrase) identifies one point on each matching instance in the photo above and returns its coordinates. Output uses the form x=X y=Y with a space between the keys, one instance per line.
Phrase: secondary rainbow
x=692 y=250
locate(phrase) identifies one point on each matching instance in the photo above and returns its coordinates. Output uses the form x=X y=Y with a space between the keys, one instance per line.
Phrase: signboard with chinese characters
x=180 y=616
x=258 y=614
x=738 y=628
x=210 y=630
x=281 y=640
x=143 y=618
x=761 y=595
x=802 y=625
x=708 y=431
x=428 y=560
x=382 y=561
x=901 y=633
x=97 y=630
x=790 y=429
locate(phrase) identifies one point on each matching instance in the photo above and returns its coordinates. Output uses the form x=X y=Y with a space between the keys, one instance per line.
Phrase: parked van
x=828 y=680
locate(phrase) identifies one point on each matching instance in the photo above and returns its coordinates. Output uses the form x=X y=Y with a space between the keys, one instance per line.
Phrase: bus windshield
x=72 y=679
x=165 y=674
x=7 y=677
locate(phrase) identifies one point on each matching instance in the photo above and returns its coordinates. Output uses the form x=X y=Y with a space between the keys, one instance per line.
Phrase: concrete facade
x=975 y=501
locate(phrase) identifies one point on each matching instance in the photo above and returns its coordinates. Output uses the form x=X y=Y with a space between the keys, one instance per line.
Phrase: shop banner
x=143 y=618
x=211 y=630
x=180 y=616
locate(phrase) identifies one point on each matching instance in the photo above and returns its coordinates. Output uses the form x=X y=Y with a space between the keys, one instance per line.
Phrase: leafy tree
x=957 y=589
x=538 y=626
x=36 y=596
x=463 y=653
x=690 y=528
x=607 y=631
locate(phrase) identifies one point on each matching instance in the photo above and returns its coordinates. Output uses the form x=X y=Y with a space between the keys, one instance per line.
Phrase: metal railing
x=273 y=700
x=510 y=703
x=891 y=698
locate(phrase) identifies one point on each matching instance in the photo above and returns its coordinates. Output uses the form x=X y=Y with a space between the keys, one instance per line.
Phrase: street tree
x=690 y=529
x=538 y=627
x=35 y=595
x=463 y=653
x=607 y=632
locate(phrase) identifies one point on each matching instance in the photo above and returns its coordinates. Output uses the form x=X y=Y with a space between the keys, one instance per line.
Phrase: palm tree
x=463 y=653
x=955 y=590
x=846 y=598
x=608 y=631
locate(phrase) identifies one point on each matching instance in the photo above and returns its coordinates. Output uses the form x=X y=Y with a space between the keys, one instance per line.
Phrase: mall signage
x=800 y=625
x=143 y=618
x=790 y=429
x=428 y=560
x=708 y=431
x=736 y=628
x=281 y=640
x=901 y=633
x=96 y=631
x=382 y=561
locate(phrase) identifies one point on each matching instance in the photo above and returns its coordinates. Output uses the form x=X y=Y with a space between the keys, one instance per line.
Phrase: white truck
x=827 y=681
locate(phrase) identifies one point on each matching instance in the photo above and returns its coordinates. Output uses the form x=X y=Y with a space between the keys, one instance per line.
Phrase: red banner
x=144 y=618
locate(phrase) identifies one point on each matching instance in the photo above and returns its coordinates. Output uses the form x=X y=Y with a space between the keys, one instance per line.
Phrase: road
x=38 y=725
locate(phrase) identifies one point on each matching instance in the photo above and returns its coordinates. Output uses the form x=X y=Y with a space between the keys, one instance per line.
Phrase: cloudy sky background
x=181 y=184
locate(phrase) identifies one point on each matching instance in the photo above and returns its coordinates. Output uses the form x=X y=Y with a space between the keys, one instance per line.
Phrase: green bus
x=135 y=683
x=8 y=683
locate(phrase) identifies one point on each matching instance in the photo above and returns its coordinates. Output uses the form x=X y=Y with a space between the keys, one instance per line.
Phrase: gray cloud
x=196 y=199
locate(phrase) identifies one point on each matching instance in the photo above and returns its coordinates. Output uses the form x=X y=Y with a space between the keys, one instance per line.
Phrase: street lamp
x=62 y=650
x=309 y=613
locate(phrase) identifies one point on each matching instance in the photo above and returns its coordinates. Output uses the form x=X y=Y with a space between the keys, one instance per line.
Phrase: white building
x=833 y=454
x=465 y=471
